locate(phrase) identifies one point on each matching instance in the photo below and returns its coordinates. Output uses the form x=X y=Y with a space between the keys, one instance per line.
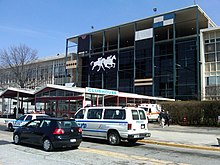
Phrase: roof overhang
x=14 y=92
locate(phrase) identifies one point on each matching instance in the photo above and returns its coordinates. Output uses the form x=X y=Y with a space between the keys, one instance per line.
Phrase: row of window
x=113 y=114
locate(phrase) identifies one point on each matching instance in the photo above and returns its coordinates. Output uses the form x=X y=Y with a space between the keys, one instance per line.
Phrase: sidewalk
x=184 y=136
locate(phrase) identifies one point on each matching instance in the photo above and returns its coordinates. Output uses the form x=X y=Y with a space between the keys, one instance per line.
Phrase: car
x=49 y=133
x=113 y=124
x=152 y=111
x=12 y=124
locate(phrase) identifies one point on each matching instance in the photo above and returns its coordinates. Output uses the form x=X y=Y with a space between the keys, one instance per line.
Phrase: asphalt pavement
x=181 y=136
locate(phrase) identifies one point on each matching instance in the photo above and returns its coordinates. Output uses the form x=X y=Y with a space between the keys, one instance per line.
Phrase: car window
x=94 y=114
x=142 y=115
x=135 y=115
x=114 y=114
x=34 y=124
x=80 y=114
x=45 y=123
x=67 y=124
x=29 y=117
x=22 y=117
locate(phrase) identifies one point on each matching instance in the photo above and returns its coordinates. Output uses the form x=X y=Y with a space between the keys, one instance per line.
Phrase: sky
x=44 y=25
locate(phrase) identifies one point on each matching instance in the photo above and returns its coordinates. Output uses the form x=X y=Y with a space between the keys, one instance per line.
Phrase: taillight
x=80 y=130
x=129 y=126
x=58 y=131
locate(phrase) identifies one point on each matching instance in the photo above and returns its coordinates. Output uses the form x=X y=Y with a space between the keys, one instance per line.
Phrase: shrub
x=196 y=113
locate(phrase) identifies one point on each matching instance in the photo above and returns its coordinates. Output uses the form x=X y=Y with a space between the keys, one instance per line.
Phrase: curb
x=181 y=145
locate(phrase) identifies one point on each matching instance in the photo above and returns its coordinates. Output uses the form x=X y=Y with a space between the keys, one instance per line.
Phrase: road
x=99 y=152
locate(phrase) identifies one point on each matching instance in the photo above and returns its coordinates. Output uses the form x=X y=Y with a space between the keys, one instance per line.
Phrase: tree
x=19 y=61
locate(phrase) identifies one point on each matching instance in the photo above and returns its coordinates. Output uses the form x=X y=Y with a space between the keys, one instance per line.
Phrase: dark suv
x=49 y=133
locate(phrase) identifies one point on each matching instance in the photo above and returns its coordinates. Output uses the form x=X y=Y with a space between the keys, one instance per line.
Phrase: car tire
x=10 y=127
x=17 y=139
x=114 y=138
x=47 y=145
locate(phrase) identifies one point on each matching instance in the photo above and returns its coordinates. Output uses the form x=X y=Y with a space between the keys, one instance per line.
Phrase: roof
x=73 y=38
x=52 y=86
x=13 y=92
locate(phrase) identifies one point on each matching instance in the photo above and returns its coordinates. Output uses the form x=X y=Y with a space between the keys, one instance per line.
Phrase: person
x=15 y=112
x=167 y=118
x=162 y=117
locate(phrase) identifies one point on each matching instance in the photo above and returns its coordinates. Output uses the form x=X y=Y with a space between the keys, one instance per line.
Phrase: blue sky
x=45 y=25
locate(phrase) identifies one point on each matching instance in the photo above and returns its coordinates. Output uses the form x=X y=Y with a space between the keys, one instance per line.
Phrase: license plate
x=136 y=136
x=72 y=140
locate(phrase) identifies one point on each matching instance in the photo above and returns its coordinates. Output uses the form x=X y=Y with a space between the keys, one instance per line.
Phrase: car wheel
x=47 y=145
x=16 y=139
x=10 y=127
x=113 y=138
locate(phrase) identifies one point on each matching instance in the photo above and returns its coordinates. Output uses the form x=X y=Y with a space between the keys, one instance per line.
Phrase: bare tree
x=19 y=60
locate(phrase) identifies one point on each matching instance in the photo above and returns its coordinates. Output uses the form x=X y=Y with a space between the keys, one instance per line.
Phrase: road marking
x=180 y=145
x=128 y=157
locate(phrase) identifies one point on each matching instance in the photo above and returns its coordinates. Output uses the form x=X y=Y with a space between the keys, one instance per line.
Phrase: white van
x=152 y=111
x=113 y=123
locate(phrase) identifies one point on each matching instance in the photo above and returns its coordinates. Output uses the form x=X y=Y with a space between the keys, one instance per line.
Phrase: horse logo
x=104 y=63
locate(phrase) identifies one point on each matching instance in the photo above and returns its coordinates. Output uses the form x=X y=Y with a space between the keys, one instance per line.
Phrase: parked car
x=152 y=111
x=49 y=133
x=12 y=124
x=113 y=123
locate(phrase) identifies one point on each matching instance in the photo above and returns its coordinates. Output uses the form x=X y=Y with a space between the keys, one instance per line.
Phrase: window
x=209 y=48
x=67 y=124
x=22 y=117
x=142 y=115
x=29 y=117
x=135 y=115
x=94 y=114
x=34 y=124
x=80 y=114
x=45 y=123
x=213 y=67
x=114 y=114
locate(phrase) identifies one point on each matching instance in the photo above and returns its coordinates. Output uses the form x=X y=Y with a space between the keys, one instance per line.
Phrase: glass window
x=218 y=56
x=207 y=67
x=94 y=114
x=80 y=114
x=29 y=117
x=218 y=66
x=218 y=80
x=22 y=117
x=135 y=115
x=212 y=80
x=209 y=48
x=45 y=123
x=114 y=114
x=67 y=124
x=142 y=115
x=210 y=57
x=217 y=46
x=34 y=124
x=213 y=67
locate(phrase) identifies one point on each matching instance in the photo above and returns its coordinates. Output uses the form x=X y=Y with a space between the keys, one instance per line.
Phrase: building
x=210 y=58
x=49 y=70
x=155 y=56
